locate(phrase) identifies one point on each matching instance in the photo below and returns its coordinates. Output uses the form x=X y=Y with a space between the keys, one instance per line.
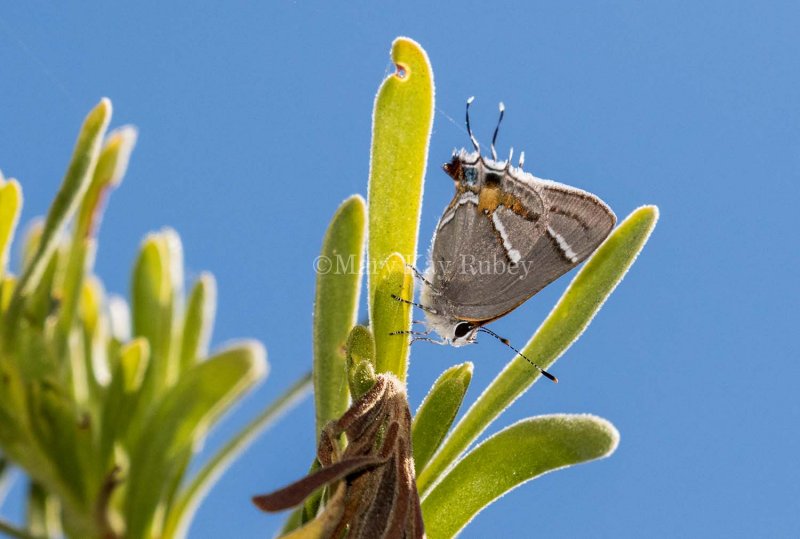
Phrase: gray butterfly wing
x=556 y=234
x=465 y=251
x=472 y=248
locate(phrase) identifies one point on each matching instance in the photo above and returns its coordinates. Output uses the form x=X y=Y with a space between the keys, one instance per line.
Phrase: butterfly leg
x=419 y=336
x=428 y=339
x=422 y=278
x=410 y=332
x=415 y=304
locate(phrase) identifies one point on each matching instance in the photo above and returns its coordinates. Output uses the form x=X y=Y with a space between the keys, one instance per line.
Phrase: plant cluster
x=104 y=402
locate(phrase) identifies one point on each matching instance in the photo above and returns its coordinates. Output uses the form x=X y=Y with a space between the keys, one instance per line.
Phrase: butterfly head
x=456 y=332
x=463 y=166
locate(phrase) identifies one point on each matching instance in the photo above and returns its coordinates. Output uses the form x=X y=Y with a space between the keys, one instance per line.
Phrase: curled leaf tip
x=355 y=199
x=465 y=370
x=649 y=207
x=604 y=425
x=259 y=353
x=259 y=366
x=122 y=140
x=408 y=56
x=102 y=110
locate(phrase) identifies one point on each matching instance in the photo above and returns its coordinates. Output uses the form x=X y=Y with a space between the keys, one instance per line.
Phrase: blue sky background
x=255 y=122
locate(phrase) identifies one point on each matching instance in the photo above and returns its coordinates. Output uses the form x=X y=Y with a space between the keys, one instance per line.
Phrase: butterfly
x=504 y=236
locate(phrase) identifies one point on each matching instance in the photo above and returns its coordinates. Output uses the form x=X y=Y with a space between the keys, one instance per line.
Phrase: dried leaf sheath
x=375 y=491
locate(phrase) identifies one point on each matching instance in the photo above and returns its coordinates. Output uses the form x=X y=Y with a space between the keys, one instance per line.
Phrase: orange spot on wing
x=488 y=199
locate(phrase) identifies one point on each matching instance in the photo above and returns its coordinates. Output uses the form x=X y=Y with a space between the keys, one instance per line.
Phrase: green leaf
x=155 y=299
x=336 y=307
x=42 y=512
x=5 y=476
x=63 y=434
x=10 y=531
x=70 y=286
x=122 y=397
x=389 y=316
x=199 y=320
x=580 y=302
x=101 y=350
x=360 y=361
x=189 y=499
x=508 y=459
x=10 y=206
x=43 y=300
x=7 y=284
x=180 y=420
x=401 y=127
x=111 y=166
x=74 y=186
x=91 y=304
x=438 y=411
x=31 y=239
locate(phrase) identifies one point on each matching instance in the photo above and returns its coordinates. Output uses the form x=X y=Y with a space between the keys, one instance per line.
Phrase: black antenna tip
x=523 y=356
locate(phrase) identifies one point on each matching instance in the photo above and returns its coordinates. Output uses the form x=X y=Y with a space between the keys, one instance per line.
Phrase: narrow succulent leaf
x=63 y=435
x=401 y=128
x=11 y=531
x=37 y=365
x=180 y=420
x=170 y=351
x=318 y=526
x=119 y=318
x=181 y=464
x=360 y=361
x=70 y=287
x=74 y=186
x=111 y=166
x=101 y=349
x=44 y=299
x=156 y=297
x=293 y=522
x=10 y=207
x=580 y=302
x=122 y=397
x=14 y=411
x=133 y=364
x=31 y=239
x=7 y=284
x=310 y=508
x=394 y=280
x=5 y=477
x=199 y=320
x=91 y=303
x=149 y=291
x=508 y=459
x=182 y=512
x=438 y=411
x=42 y=512
x=336 y=307
x=78 y=375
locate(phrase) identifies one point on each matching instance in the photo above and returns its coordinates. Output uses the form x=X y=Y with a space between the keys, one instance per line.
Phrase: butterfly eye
x=462 y=329
x=470 y=176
